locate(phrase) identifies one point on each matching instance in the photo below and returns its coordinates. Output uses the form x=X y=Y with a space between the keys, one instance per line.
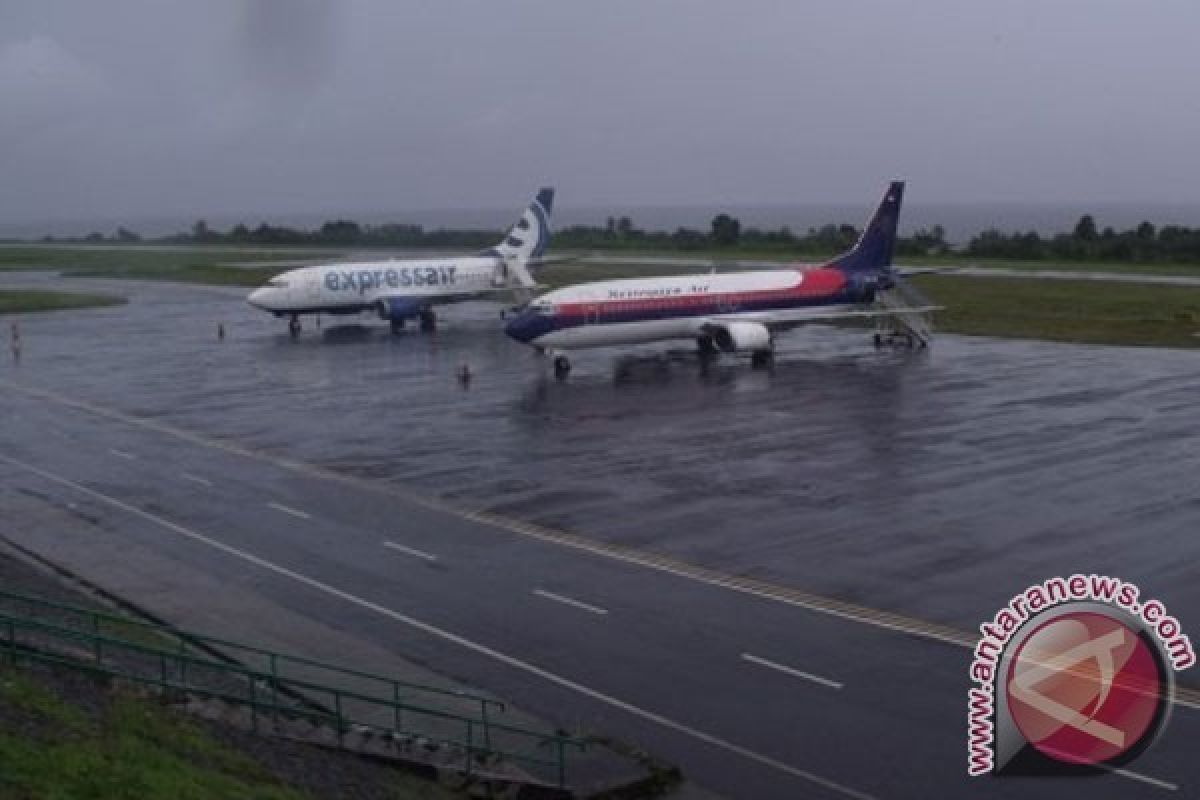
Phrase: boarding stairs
x=909 y=316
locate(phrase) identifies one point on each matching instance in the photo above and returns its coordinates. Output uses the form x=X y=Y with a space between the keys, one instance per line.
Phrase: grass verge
x=133 y=749
x=207 y=265
x=65 y=735
x=1066 y=311
x=14 y=301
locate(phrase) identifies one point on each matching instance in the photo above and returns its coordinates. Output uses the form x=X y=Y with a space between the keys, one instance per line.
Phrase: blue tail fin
x=873 y=251
x=530 y=236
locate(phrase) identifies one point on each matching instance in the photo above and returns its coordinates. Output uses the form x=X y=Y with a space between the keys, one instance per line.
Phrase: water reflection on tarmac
x=936 y=484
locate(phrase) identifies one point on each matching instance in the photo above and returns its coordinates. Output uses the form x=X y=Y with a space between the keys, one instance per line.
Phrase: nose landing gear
x=761 y=358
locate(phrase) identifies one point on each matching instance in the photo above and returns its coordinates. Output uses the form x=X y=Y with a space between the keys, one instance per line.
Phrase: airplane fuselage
x=682 y=307
x=356 y=287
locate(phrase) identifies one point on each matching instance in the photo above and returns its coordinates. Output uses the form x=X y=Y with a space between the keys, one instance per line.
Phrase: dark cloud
x=135 y=108
x=288 y=45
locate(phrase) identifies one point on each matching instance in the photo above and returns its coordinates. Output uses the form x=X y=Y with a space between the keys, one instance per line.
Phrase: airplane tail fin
x=527 y=240
x=873 y=251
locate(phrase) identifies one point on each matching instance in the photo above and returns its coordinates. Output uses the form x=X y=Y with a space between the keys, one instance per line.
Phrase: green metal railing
x=175 y=660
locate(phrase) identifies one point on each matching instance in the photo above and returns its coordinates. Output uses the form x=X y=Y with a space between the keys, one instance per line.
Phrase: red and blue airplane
x=730 y=312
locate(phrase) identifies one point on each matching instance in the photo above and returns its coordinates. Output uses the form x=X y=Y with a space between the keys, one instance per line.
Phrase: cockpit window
x=542 y=308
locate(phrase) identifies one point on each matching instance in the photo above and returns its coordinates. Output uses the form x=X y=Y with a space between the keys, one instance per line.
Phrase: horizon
x=960 y=220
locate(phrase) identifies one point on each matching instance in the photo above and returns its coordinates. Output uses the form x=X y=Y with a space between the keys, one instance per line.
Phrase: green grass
x=207 y=265
x=28 y=696
x=1066 y=311
x=135 y=748
x=14 y=301
x=1154 y=268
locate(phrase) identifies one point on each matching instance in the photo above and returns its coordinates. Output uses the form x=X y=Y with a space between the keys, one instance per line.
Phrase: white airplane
x=732 y=312
x=400 y=290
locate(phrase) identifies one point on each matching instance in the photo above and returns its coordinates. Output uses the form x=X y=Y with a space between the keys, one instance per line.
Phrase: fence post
x=162 y=671
x=396 y=704
x=337 y=708
x=275 y=688
x=470 y=744
x=253 y=702
x=12 y=643
x=487 y=731
x=562 y=762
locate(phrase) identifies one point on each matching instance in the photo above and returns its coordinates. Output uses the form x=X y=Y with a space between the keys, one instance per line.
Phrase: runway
x=761 y=576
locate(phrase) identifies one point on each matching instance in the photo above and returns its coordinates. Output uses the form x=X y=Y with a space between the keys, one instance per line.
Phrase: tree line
x=1085 y=242
x=1144 y=243
x=617 y=233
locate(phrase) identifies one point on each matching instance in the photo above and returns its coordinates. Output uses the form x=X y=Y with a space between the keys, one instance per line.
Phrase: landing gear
x=899 y=339
x=397 y=326
x=706 y=348
x=562 y=367
x=294 y=326
x=428 y=321
x=761 y=358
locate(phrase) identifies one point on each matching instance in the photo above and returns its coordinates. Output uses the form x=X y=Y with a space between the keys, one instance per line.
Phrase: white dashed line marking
x=445 y=635
x=568 y=601
x=412 y=551
x=289 y=510
x=795 y=673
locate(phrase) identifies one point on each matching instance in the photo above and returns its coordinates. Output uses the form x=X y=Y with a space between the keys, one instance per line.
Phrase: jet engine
x=398 y=309
x=734 y=336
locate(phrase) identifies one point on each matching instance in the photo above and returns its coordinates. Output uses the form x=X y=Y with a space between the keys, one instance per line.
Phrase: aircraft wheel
x=294 y=327
x=428 y=322
x=397 y=326
x=761 y=358
x=562 y=367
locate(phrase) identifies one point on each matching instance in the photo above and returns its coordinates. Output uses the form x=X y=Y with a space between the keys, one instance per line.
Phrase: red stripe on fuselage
x=817 y=283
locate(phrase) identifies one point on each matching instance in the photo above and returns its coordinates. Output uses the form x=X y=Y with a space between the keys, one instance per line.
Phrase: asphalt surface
x=929 y=485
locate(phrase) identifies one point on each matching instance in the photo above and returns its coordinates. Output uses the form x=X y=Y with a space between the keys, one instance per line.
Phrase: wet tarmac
x=936 y=484
x=933 y=484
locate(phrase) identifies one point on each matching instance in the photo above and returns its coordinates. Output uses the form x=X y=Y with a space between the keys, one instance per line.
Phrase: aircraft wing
x=510 y=289
x=780 y=322
x=549 y=261
x=908 y=272
x=771 y=319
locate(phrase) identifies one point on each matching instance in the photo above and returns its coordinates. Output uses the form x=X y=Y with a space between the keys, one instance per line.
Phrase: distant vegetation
x=1144 y=244
x=618 y=233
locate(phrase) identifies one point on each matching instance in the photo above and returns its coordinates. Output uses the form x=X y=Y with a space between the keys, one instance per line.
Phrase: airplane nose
x=257 y=298
x=522 y=327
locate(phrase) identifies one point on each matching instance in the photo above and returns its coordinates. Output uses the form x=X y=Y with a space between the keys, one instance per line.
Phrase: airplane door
x=593 y=314
x=311 y=289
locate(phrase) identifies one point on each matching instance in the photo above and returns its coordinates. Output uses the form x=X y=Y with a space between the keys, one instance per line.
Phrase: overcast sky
x=131 y=108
